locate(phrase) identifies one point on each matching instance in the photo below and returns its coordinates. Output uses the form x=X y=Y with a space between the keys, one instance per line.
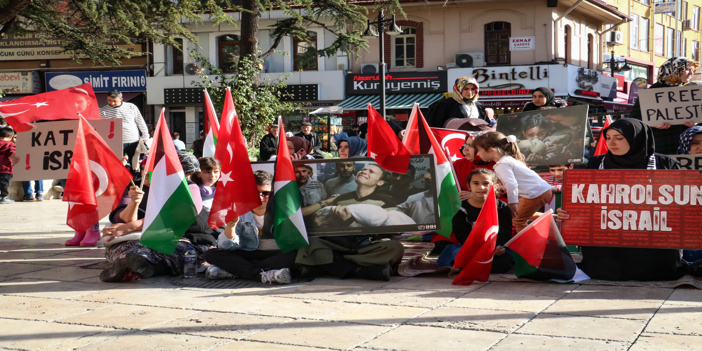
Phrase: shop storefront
x=19 y=84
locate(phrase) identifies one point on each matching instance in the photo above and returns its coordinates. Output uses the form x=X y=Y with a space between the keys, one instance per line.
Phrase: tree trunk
x=249 y=28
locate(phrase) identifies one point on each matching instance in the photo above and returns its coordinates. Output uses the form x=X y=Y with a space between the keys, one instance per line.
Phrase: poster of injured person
x=548 y=137
x=633 y=208
x=356 y=196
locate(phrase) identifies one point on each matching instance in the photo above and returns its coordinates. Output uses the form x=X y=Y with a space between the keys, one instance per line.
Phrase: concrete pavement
x=50 y=301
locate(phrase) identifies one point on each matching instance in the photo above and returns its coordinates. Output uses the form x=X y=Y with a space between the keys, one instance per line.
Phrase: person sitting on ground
x=361 y=256
x=631 y=146
x=480 y=180
x=691 y=144
x=129 y=259
x=242 y=253
x=206 y=179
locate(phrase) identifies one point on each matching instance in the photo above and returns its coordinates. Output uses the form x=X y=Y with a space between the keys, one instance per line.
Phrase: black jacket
x=447 y=108
x=268 y=147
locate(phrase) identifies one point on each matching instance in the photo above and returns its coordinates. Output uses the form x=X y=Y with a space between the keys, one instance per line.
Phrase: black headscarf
x=641 y=144
x=550 y=99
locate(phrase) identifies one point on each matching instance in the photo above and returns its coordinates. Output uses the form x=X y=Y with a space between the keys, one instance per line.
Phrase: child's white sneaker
x=214 y=272
x=280 y=276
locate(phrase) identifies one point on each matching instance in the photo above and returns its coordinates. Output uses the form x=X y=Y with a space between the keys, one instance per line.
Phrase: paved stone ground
x=48 y=302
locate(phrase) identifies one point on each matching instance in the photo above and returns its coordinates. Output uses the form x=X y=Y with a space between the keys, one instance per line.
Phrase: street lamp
x=384 y=25
x=614 y=65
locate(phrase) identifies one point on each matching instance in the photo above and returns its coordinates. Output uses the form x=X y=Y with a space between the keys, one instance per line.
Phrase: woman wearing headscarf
x=691 y=144
x=631 y=146
x=351 y=146
x=543 y=98
x=299 y=148
x=463 y=104
x=674 y=72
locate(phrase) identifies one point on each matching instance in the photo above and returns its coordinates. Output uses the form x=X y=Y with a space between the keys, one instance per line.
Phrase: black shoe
x=116 y=273
x=379 y=272
x=695 y=268
x=28 y=198
x=140 y=265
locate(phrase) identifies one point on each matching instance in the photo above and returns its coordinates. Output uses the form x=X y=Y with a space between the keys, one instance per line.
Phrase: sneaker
x=40 y=197
x=379 y=272
x=214 y=272
x=58 y=188
x=5 y=201
x=28 y=197
x=280 y=276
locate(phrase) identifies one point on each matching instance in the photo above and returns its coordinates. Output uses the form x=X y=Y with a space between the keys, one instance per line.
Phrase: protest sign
x=398 y=202
x=689 y=162
x=633 y=208
x=45 y=152
x=674 y=105
x=548 y=137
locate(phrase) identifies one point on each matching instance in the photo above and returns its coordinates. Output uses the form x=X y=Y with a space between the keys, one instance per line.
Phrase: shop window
x=176 y=57
x=497 y=43
x=228 y=52
x=404 y=48
x=695 y=50
x=659 y=42
x=305 y=53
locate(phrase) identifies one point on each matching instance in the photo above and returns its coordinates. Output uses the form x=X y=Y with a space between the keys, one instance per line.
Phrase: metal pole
x=381 y=65
x=612 y=63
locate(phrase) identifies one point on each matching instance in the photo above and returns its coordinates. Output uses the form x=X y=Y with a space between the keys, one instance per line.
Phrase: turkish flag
x=384 y=146
x=475 y=256
x=451 y=141
x=60 y=104
x=236 y=191
x=601 y=142
x=96 y=179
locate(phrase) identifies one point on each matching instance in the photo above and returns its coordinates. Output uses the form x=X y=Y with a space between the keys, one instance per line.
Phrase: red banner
x=633 y=208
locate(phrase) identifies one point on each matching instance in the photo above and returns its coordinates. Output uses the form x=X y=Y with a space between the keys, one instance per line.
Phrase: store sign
x=38 y=46
x=512 y=78
x=397 y=82
x=103 y=81
x=664 y=7
x=508 y=92
x=19 y=82
x=522 y=43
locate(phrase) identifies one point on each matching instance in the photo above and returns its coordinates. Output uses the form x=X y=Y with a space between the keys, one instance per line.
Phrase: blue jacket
x=245 y=235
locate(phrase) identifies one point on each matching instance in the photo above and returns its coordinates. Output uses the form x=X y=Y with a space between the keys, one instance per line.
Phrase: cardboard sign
x=411 y=203
x=548 y=137
x=675 y=105
x=633 y=208
x=689 y=162
x=45 y=152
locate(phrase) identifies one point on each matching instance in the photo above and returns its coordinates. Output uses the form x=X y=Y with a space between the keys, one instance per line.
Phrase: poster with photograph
x=549 y=137
x=359 y=197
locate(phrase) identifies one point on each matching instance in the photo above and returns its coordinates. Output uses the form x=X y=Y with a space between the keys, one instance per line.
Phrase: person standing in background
x=132 y=121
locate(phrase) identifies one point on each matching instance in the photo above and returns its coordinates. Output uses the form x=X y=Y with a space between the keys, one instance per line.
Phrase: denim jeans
x=28 y=187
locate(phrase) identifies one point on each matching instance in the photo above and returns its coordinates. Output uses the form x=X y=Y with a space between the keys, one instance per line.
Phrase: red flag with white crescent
x=61 y=104
x=96 y=179
x=475 y=256
x=384 y=146
x=236 y=191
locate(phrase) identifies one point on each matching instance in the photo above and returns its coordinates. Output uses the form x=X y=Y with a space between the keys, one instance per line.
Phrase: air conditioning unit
x=470 y=59
x=191 y=69
x=615 y=37
x=369 y=68
x=687 y=24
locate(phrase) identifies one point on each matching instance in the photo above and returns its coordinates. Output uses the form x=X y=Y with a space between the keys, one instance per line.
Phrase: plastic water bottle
x=190 y=264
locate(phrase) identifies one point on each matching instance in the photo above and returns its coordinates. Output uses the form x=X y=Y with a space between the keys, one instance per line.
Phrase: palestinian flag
x=421 y=140
x=288 y=227
x=170 y=209
x=211 y=127
x=541 y=254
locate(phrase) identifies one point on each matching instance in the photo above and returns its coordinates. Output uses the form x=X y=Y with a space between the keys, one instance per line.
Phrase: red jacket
x=7 y=150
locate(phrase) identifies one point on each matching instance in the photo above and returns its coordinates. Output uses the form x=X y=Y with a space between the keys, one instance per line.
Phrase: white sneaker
x=214 y=272
x=280 y=276
x=58 y=188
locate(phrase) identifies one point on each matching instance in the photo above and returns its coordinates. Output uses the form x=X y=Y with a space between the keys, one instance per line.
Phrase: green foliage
x=256 y=105
x=92 y=29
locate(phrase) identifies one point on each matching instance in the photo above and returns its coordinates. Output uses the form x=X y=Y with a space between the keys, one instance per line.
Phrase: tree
x=90 y=28
x=256 y=105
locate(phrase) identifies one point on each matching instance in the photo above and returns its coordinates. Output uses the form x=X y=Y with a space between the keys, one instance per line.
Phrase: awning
x=396 y=101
